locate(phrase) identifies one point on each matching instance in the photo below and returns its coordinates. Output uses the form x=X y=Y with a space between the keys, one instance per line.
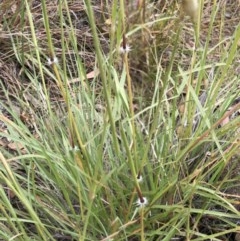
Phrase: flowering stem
x=129 y=84
x=126 y=49
x=142 y=223
x=139 y=192
x=102 y=69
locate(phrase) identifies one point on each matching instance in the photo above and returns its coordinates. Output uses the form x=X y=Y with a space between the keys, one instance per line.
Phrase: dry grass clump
x=126 y=120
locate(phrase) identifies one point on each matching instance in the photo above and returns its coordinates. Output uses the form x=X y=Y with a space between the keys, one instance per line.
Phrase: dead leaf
x=108 y=22
x=89 y=75
x=93 y=74
x=16 y=146
x=14 y=8
x=225 y=121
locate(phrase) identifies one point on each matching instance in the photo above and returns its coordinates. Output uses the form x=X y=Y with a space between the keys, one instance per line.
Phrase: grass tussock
x=119 y=121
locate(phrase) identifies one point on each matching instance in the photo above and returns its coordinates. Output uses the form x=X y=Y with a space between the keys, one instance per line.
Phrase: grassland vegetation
x=119 y=120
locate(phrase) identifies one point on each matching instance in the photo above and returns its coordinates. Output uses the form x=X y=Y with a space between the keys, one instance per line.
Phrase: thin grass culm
x=119 y=120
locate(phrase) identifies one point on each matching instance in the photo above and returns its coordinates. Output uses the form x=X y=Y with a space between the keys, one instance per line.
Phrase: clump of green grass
x=90 y=165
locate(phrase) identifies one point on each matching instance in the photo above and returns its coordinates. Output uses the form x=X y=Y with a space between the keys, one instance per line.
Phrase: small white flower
x=55 y=60
x=125 y=50
x=142 y=203
x=49 y=61
x=76 y=148
x=52 y=61
x=139 y=178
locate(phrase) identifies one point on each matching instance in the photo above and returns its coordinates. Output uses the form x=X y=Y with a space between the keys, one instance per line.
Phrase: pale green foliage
x=75 y=173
